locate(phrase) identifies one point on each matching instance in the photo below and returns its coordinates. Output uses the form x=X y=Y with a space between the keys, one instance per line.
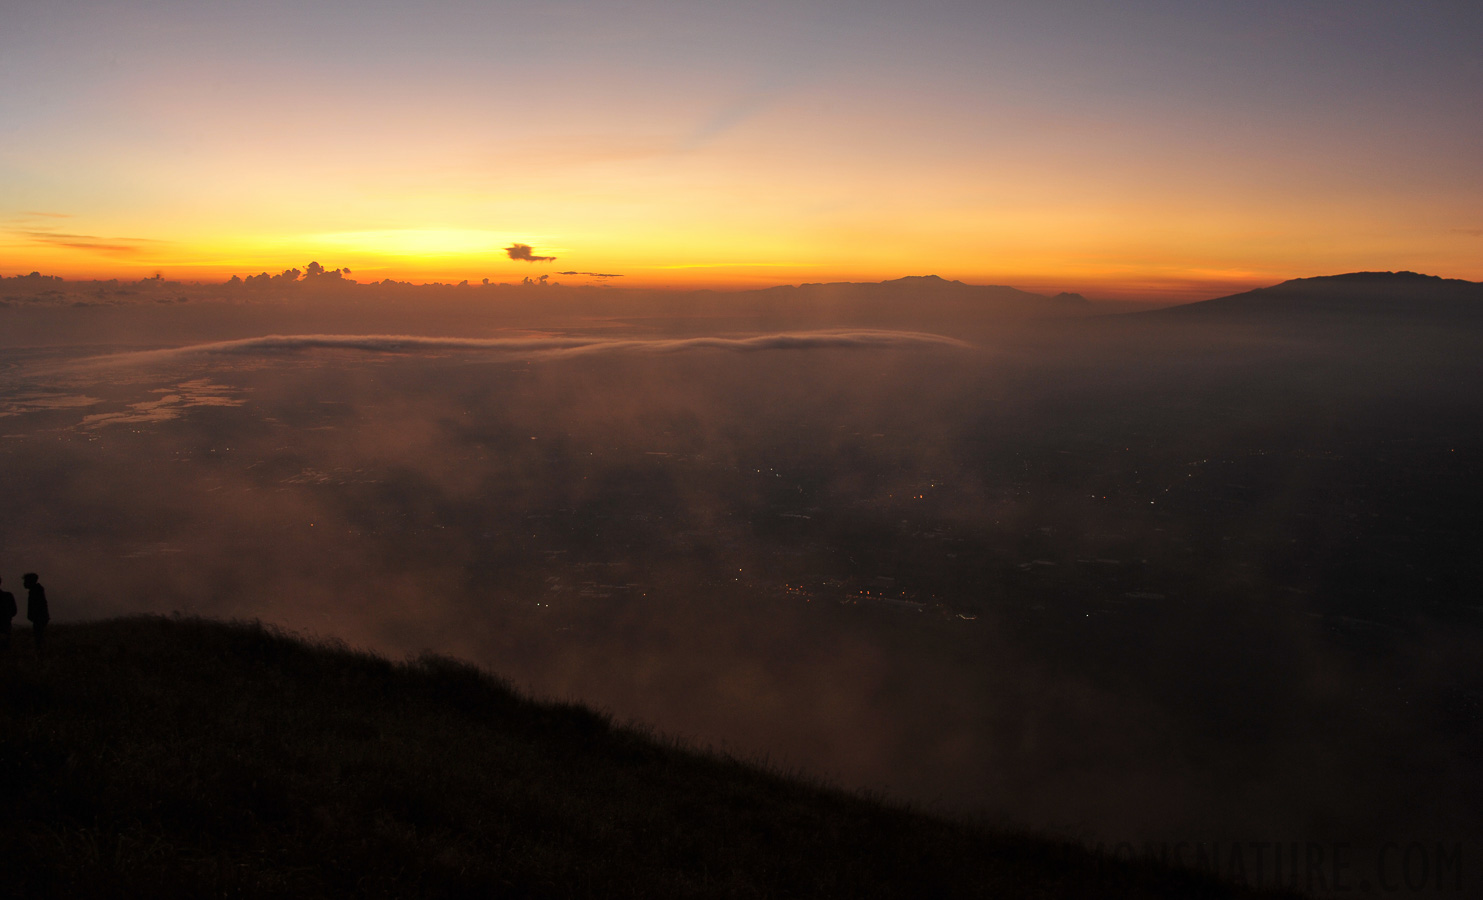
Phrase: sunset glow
x=1147 y=151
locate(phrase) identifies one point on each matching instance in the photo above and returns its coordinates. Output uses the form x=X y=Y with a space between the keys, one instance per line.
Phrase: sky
x=1138 y=149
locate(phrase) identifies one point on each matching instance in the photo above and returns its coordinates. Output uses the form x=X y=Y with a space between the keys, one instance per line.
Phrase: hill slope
x=166 y=757
x=1383 y=294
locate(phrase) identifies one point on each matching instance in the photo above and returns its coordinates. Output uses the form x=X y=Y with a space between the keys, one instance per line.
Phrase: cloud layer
x=88 y=242
x=565 y=345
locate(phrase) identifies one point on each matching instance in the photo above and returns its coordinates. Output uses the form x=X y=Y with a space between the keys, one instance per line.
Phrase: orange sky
x=1162 y=153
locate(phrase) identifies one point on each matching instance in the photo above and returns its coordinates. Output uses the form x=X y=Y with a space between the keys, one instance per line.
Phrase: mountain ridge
x=1402 y=293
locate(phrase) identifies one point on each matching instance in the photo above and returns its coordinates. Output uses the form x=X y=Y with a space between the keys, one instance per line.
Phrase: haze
x=1066 y=417
x=1190 y=575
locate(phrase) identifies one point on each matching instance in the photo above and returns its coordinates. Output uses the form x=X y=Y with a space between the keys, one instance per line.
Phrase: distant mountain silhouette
x=1069 y=298
x=927 y=293
x=916 y=302
x=1405 y=295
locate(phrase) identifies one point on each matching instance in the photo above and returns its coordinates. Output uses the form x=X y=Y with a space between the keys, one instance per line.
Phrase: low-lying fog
x=1127 y=579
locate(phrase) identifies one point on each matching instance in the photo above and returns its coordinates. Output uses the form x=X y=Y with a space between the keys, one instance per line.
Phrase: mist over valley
x=1169 y=575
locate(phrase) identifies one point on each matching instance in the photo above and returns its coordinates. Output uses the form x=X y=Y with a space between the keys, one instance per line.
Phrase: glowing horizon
x=1148 y=153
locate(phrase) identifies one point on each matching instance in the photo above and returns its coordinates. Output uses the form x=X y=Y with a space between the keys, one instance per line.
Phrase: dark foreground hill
x=160 y=757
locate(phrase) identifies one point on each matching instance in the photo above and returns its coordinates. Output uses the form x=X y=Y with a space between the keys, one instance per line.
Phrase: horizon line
x=335 y=278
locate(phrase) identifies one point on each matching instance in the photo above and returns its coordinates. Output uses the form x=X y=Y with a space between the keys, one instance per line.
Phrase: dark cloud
x=315 y=271
x=524 y=253
x=593 y=274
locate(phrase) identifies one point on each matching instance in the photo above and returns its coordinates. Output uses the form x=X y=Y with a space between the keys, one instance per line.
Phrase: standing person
x=36 y=609
x=7 y=612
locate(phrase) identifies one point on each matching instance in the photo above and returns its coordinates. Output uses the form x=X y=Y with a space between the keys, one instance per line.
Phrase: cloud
x=276 y=344
x=523 y=253
x=123 y=246
x=729 y=117
x=593 y=274
x=184 y=396
x=42 y=402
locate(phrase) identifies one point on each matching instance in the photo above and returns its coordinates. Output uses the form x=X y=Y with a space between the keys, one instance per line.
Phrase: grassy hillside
x=162 y=757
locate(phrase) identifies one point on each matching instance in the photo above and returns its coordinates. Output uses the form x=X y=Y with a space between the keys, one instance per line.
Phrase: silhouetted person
x=36 y=609
x=7 y=612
